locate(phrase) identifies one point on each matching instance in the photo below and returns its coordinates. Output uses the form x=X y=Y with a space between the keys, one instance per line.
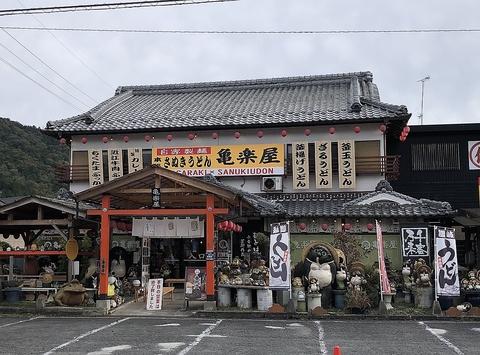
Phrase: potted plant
x=357 y=300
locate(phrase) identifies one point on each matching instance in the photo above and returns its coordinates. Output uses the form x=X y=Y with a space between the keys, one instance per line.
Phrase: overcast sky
x=397 y=61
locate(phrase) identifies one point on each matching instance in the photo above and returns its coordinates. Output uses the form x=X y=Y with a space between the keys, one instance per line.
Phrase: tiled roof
x=247 y=103
x=385 y=203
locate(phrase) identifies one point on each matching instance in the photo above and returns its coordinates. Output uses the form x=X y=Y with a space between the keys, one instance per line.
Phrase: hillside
x=27 y=160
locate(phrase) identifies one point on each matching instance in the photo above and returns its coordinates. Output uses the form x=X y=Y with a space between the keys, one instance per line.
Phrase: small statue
x=340 y=279
x=322 y=273
x=71 y=294
x=297 y=282
x=423 y=274
x=313 y=285
x=407 y=278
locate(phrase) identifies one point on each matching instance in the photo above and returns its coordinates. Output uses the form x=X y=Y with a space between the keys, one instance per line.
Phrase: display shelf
x=39 y=252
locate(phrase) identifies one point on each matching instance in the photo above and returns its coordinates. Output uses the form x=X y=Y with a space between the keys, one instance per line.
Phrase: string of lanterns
x=260 y=134
x=229 y=226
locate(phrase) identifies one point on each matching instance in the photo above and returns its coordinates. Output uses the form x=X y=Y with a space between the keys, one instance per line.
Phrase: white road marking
x=110 y=350
x=442 y=339
x=199 y=338
x=168 y=325
x=93 y=331
x=209 y=336
x=295 y=325
x=321 y=336
x=207 y=323
x=20 y=321
x=273 y=327
x=476 y=329
x=168 y=347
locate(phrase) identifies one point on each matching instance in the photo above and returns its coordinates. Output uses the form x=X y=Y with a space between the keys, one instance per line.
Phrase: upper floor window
x=435 y=156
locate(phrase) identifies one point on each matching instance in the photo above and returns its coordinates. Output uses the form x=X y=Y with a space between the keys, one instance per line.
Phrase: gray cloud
x=397 y=60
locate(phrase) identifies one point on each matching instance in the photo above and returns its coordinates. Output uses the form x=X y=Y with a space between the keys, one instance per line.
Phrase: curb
x=52 y=311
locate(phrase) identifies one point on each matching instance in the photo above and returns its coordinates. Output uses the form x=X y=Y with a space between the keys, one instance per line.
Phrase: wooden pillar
x=210 y=248
x=104 y=247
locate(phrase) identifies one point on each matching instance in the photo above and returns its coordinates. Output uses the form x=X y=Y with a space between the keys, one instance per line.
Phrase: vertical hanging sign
x=446 y=265
x=135 y=160
x=115 y=164
x=346 y=164
x=95 y=167
x=300 y=166
x=280 y=256
x=323 y=165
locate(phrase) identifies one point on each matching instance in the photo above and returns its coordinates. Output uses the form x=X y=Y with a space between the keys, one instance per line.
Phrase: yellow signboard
x=222 y=160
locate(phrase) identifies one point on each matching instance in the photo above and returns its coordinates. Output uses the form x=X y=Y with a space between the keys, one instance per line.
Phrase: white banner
x=346 y=164
x=155 y=294
x=301 y=177
x=446 y=265
x=135 y=160
x=280 y=256
x=168 y=228
x=323 y=165
x=115 y=164
x=95 y=167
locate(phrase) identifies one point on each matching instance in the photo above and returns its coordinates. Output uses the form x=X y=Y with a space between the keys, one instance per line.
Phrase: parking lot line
x=442 y=339
x=90 y=332
x=197 y=340
x=20 y=321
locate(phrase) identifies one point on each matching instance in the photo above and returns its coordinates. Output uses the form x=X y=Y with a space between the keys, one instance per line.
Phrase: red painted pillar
x=104 y=247
x=210 y=248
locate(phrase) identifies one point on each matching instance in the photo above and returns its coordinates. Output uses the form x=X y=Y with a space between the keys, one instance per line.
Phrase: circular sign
x=474 y=155
x=71 y=249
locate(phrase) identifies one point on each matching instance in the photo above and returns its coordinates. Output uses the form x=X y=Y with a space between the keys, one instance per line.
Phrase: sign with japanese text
x=280 y=256
x=115 y=164
x=446 y=265
x=154 y=294
x=415 y=242
x=323 y=165
x=95 y=167
x=195 y=283
x=222 y=160
x=474 y=155
x=135 y=160
x=346 y=164
x=156 y=198
x=301 y=177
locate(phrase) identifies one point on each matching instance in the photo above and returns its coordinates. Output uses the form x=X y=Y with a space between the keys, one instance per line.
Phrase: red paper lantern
x=237 y=134
x=347 y=226
x=169 y=137
x=403 y=139
x=260 y=134
x=63 y=141
x=406 y=129
x=219 y=226
x=283 y=133
x=148 y=138
x=105 y=139
x=302 y=226
x=404 y=134
x=237 y=228
x=230 y=225
x=84 y=140
x=382 y=128
x=307 y=131
x=356 y=129
x=191 y=136
x=214 y=135
x=331 y=130
x=324 y=226
x=370 y=226
x=125 y=139
x=241 y=229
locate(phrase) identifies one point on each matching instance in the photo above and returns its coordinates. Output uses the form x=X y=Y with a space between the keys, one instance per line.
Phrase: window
x=435 y=156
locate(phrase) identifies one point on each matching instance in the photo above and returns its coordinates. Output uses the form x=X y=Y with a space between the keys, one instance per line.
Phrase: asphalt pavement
x=156 y=335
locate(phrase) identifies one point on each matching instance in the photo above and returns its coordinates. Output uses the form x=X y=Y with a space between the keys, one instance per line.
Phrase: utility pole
x=420 y=116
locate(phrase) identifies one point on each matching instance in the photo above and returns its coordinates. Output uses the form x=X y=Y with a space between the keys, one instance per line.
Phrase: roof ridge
x=237 y=84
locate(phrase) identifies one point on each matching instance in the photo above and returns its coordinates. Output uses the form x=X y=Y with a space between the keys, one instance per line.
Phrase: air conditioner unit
x=272 y=183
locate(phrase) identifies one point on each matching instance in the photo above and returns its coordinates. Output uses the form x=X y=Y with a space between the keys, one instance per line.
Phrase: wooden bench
x=170 y=282
x=168 y=291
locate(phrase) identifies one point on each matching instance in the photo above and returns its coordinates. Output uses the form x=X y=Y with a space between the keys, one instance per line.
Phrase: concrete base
x=382 y=309
x=104 y=305
x=314 y=300
x=264 y=300
x=436 y=309
x=224 y=297
x=423 y=297
x=387 y=299
x=210 y=306
x=283 y=296
x=244 y=298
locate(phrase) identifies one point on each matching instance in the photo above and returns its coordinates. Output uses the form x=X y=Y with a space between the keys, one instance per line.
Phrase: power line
x=259 y=32
x=42 y=75
x=104 y=6
x=39 y=84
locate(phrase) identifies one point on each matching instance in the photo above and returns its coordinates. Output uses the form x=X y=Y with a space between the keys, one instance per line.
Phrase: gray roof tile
x=295 y=100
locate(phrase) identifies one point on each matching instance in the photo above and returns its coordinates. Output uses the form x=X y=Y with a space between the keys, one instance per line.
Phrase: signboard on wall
x=222 y=160
x=95 y=167
x=195 y=283
x=446 y=265
x=135 y=160
x=115 y=164
x=474 y=155
x=346 y=164
x=154 y=294
x=301 y=177
x=280 y=256
x=415 y=243
x=323 y=165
